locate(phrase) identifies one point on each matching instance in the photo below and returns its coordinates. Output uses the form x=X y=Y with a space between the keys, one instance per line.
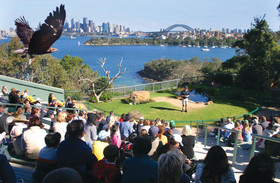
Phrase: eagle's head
x=51 y=50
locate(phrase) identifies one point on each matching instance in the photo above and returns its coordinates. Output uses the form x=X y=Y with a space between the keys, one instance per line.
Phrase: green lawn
x=221 y=108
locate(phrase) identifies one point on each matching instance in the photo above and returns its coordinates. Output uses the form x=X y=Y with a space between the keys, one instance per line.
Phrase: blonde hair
x=246 y=126
x=111 y=122
x=19 y=112
x=187 y=130
x=61 y=117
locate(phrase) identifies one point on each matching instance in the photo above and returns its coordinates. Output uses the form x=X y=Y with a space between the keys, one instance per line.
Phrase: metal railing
x=255 y=136
x=153 y=86
x=218 y=136
x=55 y=108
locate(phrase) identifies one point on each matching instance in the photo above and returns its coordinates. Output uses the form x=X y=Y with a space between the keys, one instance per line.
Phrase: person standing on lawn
x=185 y=97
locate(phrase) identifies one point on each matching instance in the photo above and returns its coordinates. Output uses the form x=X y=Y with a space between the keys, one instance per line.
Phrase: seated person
x=6 y=171
x=106 y=170
x=215 y=167
x=47 y=159
x=170 y=167
x=75 y=153
x=100 y=144
x=140 y=168
x=260 y=169
x=68 y=175
x=17 y=140
x=33 y=138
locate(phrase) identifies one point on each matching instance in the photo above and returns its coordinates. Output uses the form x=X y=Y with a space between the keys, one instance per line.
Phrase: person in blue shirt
x=75 y=153
x=126 y=128
x=140 y=168
x=185 y=95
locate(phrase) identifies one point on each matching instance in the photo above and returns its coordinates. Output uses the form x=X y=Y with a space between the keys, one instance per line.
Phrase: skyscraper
x=105 y=27
x=78 y=26
x=73 y=24
x=91 y=29
x=85 y=24
x=66 y=25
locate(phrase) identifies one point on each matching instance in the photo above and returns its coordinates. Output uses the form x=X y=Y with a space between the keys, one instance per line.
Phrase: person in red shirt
x=106 y=170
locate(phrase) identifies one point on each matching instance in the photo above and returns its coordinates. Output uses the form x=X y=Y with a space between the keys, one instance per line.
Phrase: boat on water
x=79 y=43
x=205 y=49
x=72 y=37
x=189 y=45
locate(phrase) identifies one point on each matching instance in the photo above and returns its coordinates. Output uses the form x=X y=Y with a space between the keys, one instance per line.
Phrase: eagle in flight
x=40 y=41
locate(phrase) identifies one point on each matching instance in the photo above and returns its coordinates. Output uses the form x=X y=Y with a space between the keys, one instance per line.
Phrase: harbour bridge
x=168 y=29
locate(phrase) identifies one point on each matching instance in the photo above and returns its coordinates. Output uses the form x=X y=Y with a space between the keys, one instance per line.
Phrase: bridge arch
x=168 y=29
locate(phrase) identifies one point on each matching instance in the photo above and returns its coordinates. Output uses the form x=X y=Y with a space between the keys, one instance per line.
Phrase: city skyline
x=148 y=15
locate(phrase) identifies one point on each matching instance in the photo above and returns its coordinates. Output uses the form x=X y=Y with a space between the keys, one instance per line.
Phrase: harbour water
x=134 y=57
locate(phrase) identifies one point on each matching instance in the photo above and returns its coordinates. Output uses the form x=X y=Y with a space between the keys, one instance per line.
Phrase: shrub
x=224 y=79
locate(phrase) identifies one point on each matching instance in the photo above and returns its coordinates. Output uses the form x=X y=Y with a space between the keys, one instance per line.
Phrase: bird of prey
x=40 y=41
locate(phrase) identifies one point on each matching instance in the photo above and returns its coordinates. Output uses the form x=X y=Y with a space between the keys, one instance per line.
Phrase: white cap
x=38 y=99
x=178 y=138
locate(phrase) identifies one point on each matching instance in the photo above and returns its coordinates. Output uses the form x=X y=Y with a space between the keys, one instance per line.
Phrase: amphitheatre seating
x=23 y=172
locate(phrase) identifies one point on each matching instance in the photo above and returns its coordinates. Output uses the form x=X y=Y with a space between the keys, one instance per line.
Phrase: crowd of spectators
x=99 y=148
x=248 y=126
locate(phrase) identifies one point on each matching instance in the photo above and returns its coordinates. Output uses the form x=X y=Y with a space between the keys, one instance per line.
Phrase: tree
x=12 y=64
x=101 y=84
x=259 y=51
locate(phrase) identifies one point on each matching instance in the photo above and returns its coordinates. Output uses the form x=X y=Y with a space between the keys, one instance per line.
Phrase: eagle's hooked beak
x=53 y=50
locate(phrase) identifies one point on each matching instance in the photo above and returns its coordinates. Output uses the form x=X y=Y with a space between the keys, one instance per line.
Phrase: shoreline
x=115 y=44
x=141 y=74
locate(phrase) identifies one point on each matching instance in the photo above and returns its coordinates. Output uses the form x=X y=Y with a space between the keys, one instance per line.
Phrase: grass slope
x=221 y=108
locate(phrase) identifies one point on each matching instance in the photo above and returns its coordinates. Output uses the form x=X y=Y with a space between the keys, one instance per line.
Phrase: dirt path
x=178 y=102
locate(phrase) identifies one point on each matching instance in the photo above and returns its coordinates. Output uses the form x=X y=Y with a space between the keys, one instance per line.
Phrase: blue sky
x=148 y=15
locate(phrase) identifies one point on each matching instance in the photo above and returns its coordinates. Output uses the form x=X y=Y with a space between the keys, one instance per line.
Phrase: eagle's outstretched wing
x=49 y=32
x=24 y=31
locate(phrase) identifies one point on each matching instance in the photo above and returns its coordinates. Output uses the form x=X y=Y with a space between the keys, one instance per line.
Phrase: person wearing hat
x=43 y=112
x=185 y=95
x=173 y=128
x=90 y=128
x=100 y=144
x=38 y=102
x=156 y=143
x=49 y=120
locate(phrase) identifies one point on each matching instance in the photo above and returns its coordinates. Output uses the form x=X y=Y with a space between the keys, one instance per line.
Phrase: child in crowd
x=106 y=170
x=115 y=138
x=100 y=144
x=47 y=158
